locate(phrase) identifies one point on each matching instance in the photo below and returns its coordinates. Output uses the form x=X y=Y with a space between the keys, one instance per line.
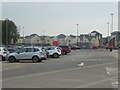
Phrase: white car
x=54 y=51
x=3 y=53
x=27 y=53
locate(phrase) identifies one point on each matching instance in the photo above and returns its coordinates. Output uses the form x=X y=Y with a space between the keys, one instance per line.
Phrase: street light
x=112 y=22
x=108 y=28
x=43 y=37
x=6 y=32
x=23 y=35
x=77 y=34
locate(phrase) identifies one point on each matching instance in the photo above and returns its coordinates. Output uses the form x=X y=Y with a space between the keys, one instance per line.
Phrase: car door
x=29 y=53
x=21 y=54
x=50 y=50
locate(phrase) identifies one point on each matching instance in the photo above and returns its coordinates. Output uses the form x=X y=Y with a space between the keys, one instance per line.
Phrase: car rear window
x=64 y=46
x=4 y=49
x=36 y=50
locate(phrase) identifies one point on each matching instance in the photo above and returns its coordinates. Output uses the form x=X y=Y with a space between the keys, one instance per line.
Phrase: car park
x=65 y=49
x=53 y=51
x=3 y=53
x=27 y=53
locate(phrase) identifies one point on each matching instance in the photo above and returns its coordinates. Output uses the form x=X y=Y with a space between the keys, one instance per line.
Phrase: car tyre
x=55 y=55
x=35 y=59
x=17 y=60
x=3 y=59
x=40 y=60
x=12 y=59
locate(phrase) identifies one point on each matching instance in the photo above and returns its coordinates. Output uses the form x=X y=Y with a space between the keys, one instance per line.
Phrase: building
x=47 y=40
x=61 y=39
x=33 y=39
x=116 y=35
x=104 y=41
x=70 y=40
x=96 y=38
x=92 y=39
x=20 y=41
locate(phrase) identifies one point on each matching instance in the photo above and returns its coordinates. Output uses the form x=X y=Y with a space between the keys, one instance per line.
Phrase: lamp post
x=23 y=36
x=43 y=37
x=6 y=32
x=108 y=28
x=77 y=35
x=112 y=22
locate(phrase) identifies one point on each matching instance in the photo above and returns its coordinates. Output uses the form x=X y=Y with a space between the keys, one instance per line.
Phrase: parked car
x=27 y=53
x=94 y=47
x=54 y=51
x=74 y=47
x=11 y=50
x=108 y=47
x=47 y=53
x=3 y=53
x=65 y=49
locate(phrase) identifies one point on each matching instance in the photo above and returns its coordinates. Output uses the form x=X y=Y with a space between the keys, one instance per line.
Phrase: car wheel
x=40 y=60
x=55 y=55
x=3 y=59
x=65 y=53
x=11 y=59
x=17 y=60
x=35 y=59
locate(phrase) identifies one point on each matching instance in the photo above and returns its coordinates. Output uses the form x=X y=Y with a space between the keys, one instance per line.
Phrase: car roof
x=33 y=47
x=2 y=47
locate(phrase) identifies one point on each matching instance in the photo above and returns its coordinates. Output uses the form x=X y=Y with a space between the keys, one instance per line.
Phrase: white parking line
x=112 y=71
x=57 y=71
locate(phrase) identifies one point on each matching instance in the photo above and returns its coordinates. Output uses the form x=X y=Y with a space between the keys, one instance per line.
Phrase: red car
x=65 y=49
x=108 y=47
x=95 y=47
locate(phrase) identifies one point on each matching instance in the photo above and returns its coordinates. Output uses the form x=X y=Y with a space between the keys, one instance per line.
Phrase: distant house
x=33 y=39
x=85 y=38
x=70 y=40
x=85 y=41
x=47 y=40
x=20 y=40
x=111 y=41
x=61 y=39
x=94 y=37
x=104 y=41
x=116 y=34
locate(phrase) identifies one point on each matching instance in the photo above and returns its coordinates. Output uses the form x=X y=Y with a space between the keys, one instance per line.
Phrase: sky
x=53 y=18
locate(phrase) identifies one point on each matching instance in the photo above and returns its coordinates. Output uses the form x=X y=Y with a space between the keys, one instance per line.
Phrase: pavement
x=79 y=69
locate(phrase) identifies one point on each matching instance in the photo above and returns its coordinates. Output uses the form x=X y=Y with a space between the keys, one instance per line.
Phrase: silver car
x=27 y=53
x=3 y=53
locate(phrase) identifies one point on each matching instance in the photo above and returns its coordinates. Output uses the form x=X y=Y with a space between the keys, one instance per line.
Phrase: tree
x=9 y=32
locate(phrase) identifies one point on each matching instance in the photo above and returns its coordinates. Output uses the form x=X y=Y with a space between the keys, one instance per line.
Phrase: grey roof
x=32 y=35
x=95 y=32
x=72 y=36
x=86 y=36
x=61 y=36
x=116 y=32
